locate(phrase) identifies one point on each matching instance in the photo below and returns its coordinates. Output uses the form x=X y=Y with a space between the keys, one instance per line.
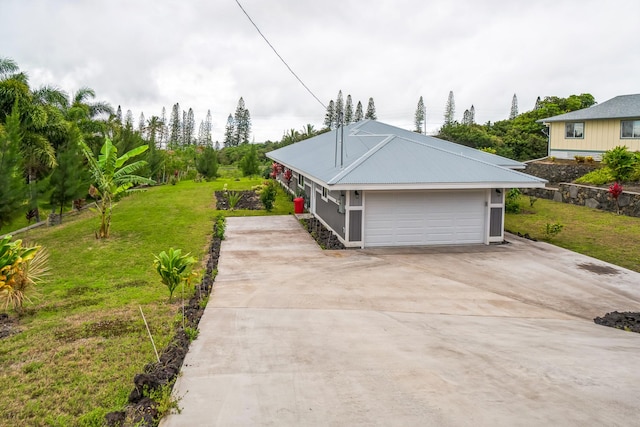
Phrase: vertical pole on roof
x=335 y=151
x=341 y=130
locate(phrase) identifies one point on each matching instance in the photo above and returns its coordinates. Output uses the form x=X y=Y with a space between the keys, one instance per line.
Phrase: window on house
x=300 y=180
x=325 y=193
x=574 y=130
x=630 y=129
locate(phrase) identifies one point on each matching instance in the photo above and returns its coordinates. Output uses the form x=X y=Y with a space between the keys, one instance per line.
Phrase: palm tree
x=7 y=67
x=153 y=128
x=308 y=131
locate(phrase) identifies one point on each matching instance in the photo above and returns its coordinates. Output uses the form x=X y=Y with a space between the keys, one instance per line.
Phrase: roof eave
x=439 y=186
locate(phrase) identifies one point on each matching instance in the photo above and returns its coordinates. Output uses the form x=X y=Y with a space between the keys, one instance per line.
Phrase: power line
x=276 y=52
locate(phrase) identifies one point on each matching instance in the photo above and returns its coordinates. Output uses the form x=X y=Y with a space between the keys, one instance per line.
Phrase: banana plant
x=112 y=178
x=173 y=268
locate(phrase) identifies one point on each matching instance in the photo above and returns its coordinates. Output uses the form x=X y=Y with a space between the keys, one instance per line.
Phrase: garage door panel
x=424 y=218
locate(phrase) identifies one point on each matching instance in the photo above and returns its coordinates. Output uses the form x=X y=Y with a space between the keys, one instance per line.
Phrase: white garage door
x=424 y=218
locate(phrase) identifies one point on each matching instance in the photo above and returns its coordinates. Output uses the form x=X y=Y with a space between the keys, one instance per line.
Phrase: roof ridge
x=347 y=170
x=460 y=155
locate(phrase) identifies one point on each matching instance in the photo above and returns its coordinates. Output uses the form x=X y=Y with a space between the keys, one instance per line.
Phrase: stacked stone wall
x=592 y=197
x=559 y=172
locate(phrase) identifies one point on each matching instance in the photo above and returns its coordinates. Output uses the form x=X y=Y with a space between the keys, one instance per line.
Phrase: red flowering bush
x=615 y=191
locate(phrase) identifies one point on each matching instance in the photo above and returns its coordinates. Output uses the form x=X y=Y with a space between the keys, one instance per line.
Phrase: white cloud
x=145 y=54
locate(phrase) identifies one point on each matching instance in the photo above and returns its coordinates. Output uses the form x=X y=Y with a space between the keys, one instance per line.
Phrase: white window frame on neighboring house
x=301 y=180
x=573 y=131
x=633 y=129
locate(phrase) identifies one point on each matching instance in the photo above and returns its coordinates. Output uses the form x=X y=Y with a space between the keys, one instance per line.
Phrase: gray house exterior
x=377 y=185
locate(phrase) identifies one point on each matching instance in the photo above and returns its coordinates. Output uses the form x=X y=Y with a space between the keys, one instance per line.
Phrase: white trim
x=439 y=186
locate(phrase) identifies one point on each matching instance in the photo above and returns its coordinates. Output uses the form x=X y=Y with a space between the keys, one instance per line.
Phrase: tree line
x=519 y=137
x=44 y=133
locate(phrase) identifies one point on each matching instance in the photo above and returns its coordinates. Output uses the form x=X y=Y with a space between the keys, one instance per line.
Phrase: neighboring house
x=385 y=186
x=594 y=130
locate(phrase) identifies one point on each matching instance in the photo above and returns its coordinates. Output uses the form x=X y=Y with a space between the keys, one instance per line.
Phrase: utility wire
x=276 y=52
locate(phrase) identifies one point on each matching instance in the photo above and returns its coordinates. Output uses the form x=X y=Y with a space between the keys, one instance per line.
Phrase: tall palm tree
x=308 y=131
x=153 y=128
x=39 y=119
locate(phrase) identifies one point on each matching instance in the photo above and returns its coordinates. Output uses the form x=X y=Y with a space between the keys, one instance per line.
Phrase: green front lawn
x=603 y=235
x=83 y=339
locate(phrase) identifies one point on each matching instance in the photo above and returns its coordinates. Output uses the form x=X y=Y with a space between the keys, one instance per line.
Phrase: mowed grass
x=83 y=339
x=603 y=235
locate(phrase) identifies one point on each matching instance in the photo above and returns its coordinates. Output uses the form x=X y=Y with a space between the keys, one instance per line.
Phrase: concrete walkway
x=456 y=336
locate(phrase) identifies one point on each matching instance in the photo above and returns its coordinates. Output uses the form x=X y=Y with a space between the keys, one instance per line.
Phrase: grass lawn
x=603 y=235
x=83 y=339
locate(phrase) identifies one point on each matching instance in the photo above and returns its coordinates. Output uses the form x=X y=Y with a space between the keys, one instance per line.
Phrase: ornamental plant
x=173 y=268
x=615 y=191
x=621 y=161
x=288 y=176
x=268 y=195
x=21 y=269
x=112 y=177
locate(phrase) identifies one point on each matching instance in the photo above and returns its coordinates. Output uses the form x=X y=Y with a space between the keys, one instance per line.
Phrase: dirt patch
x=8 y=326
x=627 y=321
x=108 y=328
x=80 y=290
x=132 y=284
x=142 y=410
x=598 y=269
x=248 y=199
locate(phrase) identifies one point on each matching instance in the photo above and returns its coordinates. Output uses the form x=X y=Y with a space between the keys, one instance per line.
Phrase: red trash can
x=298 y=205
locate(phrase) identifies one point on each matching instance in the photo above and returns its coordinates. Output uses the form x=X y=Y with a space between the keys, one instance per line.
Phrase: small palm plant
x=21 y=269
x=234 y=197
x=173 y=268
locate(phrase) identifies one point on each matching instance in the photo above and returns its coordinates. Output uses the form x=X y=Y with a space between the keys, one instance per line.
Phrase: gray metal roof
x=620 y=107
x=377 y=155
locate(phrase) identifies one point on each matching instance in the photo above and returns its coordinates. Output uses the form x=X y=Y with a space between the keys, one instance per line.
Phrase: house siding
x=327 y=211
x=599 y=136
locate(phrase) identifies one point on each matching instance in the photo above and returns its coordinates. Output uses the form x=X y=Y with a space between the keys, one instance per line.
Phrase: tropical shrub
x=220 y=227
x=21 y=269
x=615 y=191
x=511 y=204
x=112 y=178
x=621 y=161
x=599 y=176
x=249 y=164
x=552 y=230
x=233 y=197
x=173 y=268
x=268 y=195
x=207 y=163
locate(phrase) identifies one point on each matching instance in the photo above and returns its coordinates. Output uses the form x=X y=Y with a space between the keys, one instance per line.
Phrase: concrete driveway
x=454 y=336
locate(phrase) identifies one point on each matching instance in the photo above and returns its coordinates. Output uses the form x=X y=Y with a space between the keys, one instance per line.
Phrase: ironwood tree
x=348 y=111
x=358 y=115
x=514 y=107
x=450 y=109
x=420 y=116
x=242 y=120
x=371 y=111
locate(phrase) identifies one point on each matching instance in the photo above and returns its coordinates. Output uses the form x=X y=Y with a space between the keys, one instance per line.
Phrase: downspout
x=546 y=131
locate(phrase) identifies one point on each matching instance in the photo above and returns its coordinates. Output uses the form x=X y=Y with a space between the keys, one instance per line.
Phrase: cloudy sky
x=205 y=54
